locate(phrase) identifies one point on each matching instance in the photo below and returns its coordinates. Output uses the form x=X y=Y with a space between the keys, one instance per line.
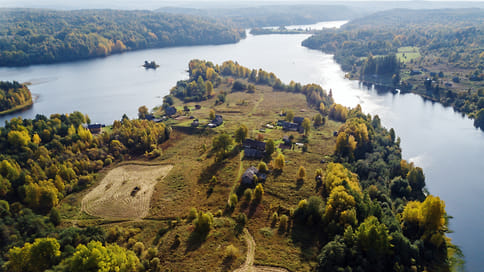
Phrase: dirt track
x=116 y=197
x=249 y=266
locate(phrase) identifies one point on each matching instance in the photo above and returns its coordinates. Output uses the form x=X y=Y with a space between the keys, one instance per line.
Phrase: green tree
x=222 y=143
x=203 y=223
x=96 y=257
x=241 y=134
x=318 y=120
x=416 y=179
x=289 y=115
x=373 y=237
x=270 y=147
x=306 y=124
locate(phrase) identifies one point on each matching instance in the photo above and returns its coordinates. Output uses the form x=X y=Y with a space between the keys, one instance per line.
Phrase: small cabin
x=195 y=123
x=249 y=177
x=217 y=121
x=95 y=128
x=298 y=120
x=254 y=144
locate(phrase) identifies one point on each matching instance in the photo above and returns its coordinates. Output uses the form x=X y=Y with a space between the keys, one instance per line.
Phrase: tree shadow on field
x=210 y=171
x=195 y=240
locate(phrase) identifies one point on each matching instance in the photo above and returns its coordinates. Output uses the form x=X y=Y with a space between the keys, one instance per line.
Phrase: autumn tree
x=279 y=162
x=96 y=257
x=301 y=173
x=306 y=124
x=36 y=257
x=209 y=88
x=258 y=192
x=142 y=112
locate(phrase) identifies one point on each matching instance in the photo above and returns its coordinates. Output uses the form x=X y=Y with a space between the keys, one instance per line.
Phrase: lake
x=444 y=143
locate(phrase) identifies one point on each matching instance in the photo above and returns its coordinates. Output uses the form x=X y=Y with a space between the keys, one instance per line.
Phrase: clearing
x=125 y=192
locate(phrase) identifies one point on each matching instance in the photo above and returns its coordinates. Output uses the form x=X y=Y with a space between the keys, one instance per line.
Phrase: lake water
x=443 y=142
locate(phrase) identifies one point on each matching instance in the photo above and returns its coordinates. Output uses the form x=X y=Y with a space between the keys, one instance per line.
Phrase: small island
x=14 y=97
x=150 y=65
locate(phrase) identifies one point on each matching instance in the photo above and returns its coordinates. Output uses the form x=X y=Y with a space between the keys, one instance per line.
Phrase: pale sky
x=154 y=4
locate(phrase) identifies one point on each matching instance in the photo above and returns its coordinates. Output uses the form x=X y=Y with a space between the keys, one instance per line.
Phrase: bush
x=248 y=195
x=192 y=214
x=233 y=200
x=263 y=167
x=239 y=86
x=231 y=252
x=258 y=192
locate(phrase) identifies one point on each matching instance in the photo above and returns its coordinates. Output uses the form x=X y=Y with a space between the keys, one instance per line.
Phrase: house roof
x=248 y=176
x=298 y=120
x=253 y=144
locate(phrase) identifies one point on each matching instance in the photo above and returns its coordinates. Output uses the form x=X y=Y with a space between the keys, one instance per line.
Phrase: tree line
x=204 y=76
x=13 y=94
x=452 y=38
x=31 y=36
x=45 y=159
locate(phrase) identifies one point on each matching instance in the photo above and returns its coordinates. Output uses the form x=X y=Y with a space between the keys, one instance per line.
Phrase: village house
x=253 y=149
x=217 y=121
x=252 y=176
x=95 y=128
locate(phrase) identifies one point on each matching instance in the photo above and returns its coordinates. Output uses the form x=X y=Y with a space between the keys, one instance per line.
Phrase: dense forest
x=45 y=159
x=273 y=15
x=365 y=209
x=13 y=96
x=204 y=76
x=33 y=36
x=439 y=53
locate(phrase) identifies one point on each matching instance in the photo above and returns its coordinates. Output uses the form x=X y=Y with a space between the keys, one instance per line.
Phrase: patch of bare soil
x=125 y=192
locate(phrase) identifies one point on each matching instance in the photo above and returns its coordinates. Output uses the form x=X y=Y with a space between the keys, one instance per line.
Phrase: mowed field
x=125 y=192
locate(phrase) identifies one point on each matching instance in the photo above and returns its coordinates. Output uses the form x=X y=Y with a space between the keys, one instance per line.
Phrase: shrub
x=233 y=199
x=231 y=252
x=248 y=195
x=192 y=214
x=258 y=192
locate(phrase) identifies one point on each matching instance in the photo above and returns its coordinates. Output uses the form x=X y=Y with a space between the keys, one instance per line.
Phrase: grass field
x=408 y=53
x=179 y=180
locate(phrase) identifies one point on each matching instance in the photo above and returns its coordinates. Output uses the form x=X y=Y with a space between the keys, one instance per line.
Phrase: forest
x=362 y=208
x=273 y=15
x=439 y=53
x=35 y=36
x=45 y=159
x=14 y=96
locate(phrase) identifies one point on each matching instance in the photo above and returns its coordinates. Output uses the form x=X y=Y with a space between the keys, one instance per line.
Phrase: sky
x=154 y=4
